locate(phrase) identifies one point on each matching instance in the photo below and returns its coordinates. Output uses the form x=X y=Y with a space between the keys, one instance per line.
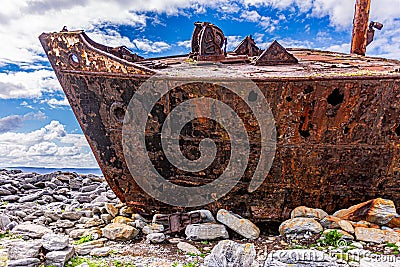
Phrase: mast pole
x=360 y=27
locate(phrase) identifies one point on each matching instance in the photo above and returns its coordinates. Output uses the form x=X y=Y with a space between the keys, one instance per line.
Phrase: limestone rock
x=100 y=252
x=155 y=238
x=238 y=224
x=87 y=247
x=26 y=262
x=71 y=215
x=31 y=230
x=230 y=253
x=122 y=219
x=54 y=242
x=60 y=257
x=24 y=249
x=206 y=231
x=300 y=258
x=379 y=211
x=376 y=235
x=119 y=231
x=153 y=228
x=188 y=248
x=4 y=221
x=364 y=224
x=112 y=210
x=94 y=222
x=300 y=225
x=306 y=212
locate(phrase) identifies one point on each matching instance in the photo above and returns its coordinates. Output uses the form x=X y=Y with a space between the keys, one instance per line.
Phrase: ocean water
x=95 y=171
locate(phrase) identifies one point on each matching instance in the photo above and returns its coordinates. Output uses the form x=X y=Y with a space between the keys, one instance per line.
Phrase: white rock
x=54 y=242
x=230 y=253
x=238 y=224
x=188 y=248
x=206 y=231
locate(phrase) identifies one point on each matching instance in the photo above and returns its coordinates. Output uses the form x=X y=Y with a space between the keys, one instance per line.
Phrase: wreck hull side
x=337 y=139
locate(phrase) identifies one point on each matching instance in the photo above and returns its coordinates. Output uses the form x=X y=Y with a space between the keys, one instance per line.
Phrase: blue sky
x=37 y=126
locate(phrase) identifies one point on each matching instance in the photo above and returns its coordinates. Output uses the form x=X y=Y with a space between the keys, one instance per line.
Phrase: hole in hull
x=335 y=98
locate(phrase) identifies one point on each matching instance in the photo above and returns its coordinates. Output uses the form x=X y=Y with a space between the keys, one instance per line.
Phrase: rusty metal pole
x=360 y=27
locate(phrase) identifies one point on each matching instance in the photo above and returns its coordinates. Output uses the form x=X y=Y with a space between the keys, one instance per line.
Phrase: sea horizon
x=46 y=170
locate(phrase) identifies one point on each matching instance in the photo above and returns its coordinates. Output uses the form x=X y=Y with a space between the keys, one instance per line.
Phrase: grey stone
x=300 y=258
x=238 y=224
x=88 y=188
x=12 y=198
x=71 y=215
x=11 y=226
x=10 y=188
x=207 y=231
x=230 y=253
x=54 y=242
x=188 y=248
x=26 y=262
x=31 y=230
x=52 y=215
x=20 y=214
x=60 y=257
x=107 y=218
x=155 y=238
x=4 y=192
x=60 y=198
x=31 y=197
x=64 y=224
x=205 y=216
x=4 y=221
x=153 y=228
x=24 y=249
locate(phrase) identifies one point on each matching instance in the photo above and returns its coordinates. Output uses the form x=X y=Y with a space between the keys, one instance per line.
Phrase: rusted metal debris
x=176 y=223
x=371 y=32
x=207 y=42
x=248 y=47
x=338 y=128
x=275 y=54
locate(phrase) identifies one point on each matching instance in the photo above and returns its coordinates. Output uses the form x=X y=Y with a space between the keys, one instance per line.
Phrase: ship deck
x=313 y=64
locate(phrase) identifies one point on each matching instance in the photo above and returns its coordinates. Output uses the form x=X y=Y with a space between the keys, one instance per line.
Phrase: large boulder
x=24 y=249
x=119 y=231
x=331 y=222
x=238 y=224
x=206 y=231
x=230 y=253
x=25 y=262
x=376 y=235
x=300 y=225
x=379 y=211
x=306 y=212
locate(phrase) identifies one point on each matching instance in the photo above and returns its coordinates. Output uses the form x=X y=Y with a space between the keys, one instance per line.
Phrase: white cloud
x=50 y=146
x=13 y=122
x=56 y=103
x=186 y=44
x=150 y=46
x=27 y=84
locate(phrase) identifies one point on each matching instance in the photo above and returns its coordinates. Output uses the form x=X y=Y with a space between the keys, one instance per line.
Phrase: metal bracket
x=177 y=222
x=248 y=47
x=275 y=54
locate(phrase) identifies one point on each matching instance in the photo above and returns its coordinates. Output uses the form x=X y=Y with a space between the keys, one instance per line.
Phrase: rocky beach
x=68 y=219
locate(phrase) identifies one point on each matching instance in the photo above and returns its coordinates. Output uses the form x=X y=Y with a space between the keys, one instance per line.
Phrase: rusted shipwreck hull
x=337 y=122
